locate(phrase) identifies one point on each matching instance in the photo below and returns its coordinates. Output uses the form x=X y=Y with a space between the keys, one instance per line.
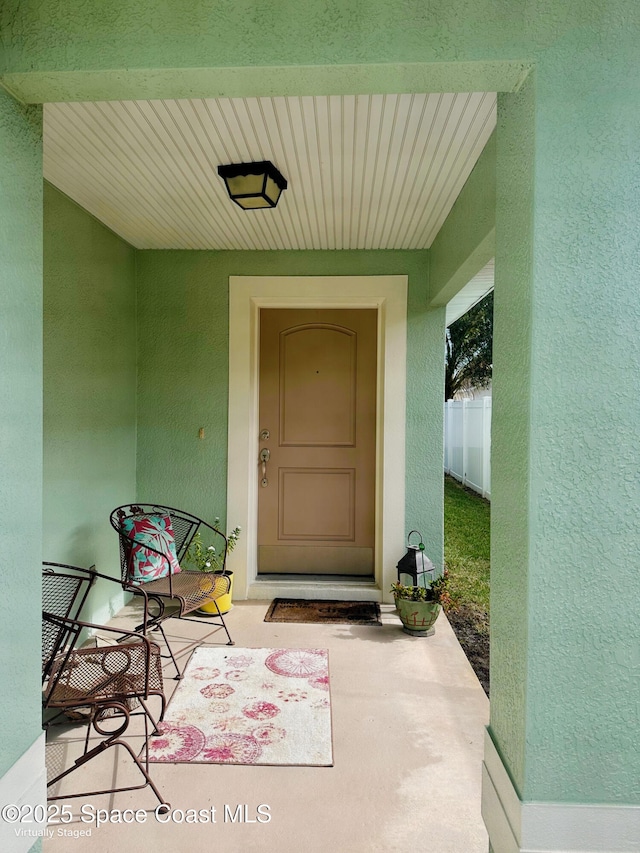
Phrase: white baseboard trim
x=517 y=827
x=24 y=785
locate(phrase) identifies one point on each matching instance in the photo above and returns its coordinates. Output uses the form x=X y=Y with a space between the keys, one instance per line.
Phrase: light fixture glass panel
x=272 y=190
x=245 y=184
x=253 y=202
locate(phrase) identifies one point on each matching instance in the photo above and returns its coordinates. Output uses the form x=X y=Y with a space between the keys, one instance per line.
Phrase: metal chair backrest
x=64 y=592
x=59 y=636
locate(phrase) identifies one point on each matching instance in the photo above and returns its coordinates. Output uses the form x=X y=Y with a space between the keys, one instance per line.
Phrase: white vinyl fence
x=467 y=443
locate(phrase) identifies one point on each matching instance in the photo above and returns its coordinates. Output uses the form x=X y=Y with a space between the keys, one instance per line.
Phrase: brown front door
x=318 y=404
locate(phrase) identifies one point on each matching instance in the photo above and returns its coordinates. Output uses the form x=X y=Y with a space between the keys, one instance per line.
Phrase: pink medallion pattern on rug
x=205 y=673
x=278 y=710
x=219 y=691
x=260 y=710
x=297 y=663
x=178 y=743
x=230 y=748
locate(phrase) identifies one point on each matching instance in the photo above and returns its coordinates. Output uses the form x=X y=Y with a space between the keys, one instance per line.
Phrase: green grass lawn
x=466 y=547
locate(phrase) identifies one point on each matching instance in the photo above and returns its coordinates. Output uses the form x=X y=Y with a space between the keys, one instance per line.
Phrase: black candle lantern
x=415 y=565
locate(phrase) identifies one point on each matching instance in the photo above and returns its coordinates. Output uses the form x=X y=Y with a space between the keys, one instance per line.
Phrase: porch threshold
x=324 y=587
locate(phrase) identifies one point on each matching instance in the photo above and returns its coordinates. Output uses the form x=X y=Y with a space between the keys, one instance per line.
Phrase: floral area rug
x=249 y=706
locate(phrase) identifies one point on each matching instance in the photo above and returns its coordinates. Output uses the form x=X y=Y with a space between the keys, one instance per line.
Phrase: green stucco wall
x=73 y=35
x=511 y=429
x=183 y=373
x=89 y=391
x=565 y=491
x=583 y=716
x=71 y=49
x=20 y=424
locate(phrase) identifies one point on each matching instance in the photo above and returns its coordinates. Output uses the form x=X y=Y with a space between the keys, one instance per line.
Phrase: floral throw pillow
x=156 y=532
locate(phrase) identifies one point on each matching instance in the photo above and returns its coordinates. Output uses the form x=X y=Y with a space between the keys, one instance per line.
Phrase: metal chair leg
x=224 y=625
x=178 y=675
x=113 y=739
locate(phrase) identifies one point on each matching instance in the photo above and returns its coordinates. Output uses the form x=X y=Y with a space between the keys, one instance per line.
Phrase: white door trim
x=247 y=294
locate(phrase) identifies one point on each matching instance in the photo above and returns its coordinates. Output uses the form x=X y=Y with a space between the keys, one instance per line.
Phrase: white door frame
x=247 y=294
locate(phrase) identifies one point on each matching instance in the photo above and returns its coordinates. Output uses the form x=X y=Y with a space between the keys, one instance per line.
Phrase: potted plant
x=206 y=558
x=419 y=606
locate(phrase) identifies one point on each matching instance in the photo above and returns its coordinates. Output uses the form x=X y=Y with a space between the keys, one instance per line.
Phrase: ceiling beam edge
x=175 y=83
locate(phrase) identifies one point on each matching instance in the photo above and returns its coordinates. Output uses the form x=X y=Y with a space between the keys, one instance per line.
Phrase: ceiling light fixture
x=253 y=185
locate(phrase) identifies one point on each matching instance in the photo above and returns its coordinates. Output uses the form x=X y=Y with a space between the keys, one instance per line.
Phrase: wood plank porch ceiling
x=364 y=172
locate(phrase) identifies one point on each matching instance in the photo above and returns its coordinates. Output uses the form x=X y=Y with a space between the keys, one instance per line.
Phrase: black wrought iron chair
x=154 y=541
x=104 y=682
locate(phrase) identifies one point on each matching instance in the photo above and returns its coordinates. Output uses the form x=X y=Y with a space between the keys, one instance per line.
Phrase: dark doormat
x=329 y=612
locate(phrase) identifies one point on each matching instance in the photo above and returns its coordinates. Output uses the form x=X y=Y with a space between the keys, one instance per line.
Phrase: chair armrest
x=70 y=659
x=91 y=572
x=79 y=624
x=118 y=631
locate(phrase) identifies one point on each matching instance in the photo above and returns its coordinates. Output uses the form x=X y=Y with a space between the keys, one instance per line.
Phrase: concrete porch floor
x=408 y=725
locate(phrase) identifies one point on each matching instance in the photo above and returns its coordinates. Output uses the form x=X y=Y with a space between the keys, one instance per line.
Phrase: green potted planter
x=417 y=617
x=418 y=606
